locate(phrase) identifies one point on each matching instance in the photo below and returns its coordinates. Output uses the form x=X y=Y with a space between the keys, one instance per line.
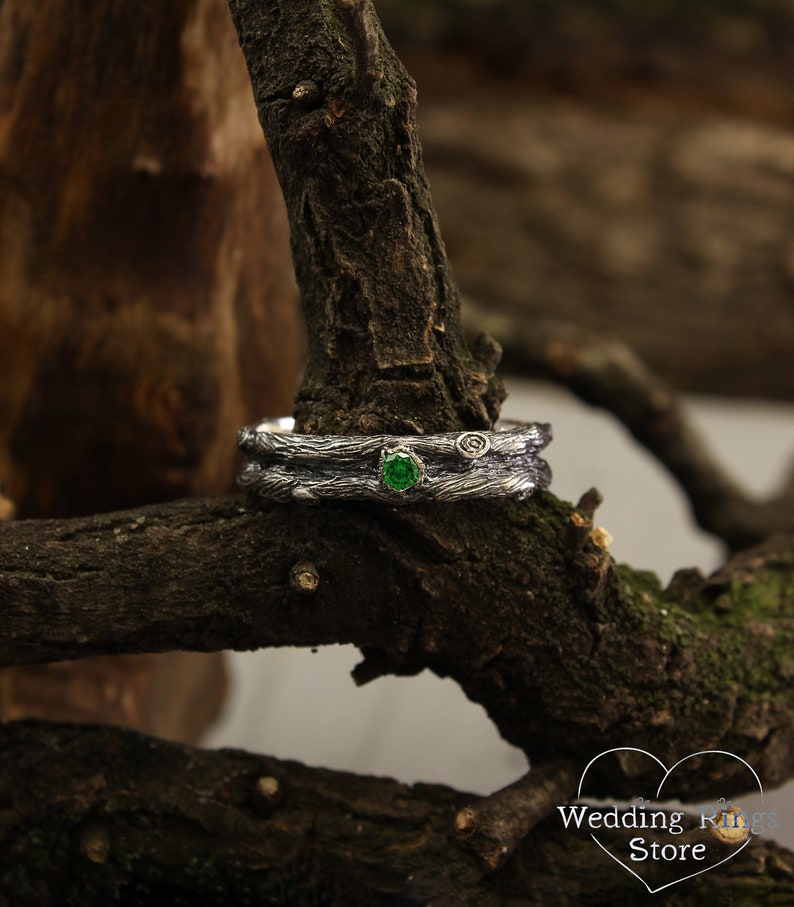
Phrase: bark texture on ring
x=283 y=466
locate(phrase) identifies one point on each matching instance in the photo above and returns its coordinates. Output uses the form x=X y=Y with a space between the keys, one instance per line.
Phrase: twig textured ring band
x=394 y=468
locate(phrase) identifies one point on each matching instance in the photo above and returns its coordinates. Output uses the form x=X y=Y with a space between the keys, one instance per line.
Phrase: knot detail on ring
x=472 y=444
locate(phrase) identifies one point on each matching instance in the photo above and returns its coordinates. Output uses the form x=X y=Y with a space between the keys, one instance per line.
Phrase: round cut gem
x=400 y=470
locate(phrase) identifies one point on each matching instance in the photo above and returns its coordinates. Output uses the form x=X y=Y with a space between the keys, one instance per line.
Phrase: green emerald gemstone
x=400 y=470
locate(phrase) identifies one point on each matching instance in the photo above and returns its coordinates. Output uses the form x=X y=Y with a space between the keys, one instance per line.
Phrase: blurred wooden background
x=624 y=165
x=147 y=305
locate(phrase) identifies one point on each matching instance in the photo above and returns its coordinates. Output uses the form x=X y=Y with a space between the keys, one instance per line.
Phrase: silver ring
x=395 y=469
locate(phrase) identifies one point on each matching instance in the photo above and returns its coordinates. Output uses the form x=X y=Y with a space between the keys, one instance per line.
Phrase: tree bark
x=602 y=371
x=568 y=653
x=669 y=230
x=717 y=52
x=175 y=695
x=144 y=264
x=124 y=819
x=386 y=352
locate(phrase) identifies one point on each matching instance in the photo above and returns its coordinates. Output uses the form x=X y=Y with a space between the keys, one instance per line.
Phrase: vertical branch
x=357 y=16
x=386 y=351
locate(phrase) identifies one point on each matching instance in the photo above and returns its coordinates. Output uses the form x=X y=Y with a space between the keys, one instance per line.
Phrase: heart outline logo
x=667 y=773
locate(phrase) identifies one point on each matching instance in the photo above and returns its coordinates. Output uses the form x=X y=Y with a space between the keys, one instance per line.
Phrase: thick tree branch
x=121 y=818
x=386 y=352
x=568 y=653
x=605 y=372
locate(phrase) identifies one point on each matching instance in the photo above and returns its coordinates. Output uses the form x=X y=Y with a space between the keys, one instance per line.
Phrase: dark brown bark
x=386 y=352
x=493 y=827
x=568 y=653
x=124 y=819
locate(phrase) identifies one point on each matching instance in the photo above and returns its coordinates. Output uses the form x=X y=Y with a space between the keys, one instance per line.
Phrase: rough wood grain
x=568 y=653
x=144 y=267
x=124 y=819
x=386 y=352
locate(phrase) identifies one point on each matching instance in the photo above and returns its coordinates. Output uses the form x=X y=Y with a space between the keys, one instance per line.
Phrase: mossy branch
x=568 y=653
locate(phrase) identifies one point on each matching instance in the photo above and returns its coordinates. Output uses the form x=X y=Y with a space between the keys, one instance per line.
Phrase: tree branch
x=386 y=351
x=357 y=15
x=117 y=817
x=494 y=826
x=605 y=372
x=568 y=653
